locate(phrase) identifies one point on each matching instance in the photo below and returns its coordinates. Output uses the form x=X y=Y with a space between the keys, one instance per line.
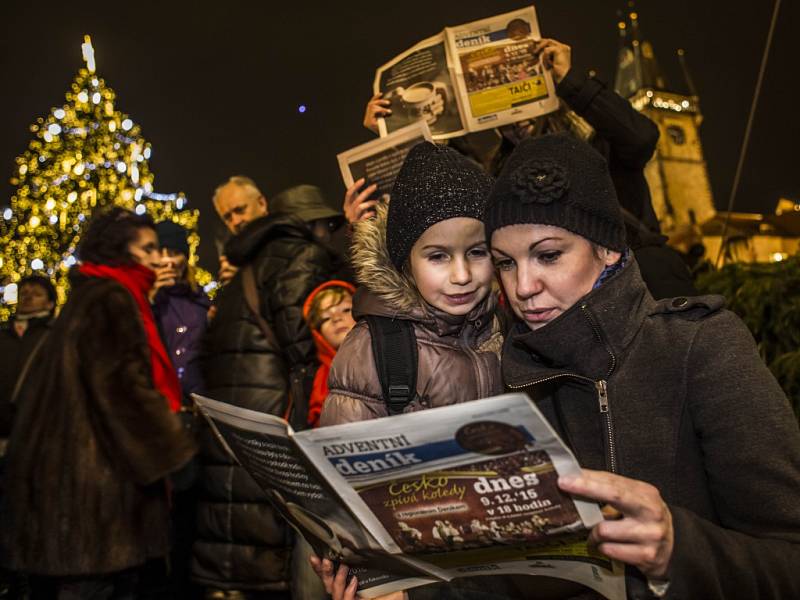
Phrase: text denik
x=390 y=460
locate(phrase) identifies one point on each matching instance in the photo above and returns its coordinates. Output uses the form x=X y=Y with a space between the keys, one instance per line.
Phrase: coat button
x=680 y=302
x=181 y=329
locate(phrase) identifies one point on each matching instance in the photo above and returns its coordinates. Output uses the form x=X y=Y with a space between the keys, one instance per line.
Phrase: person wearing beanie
x=422 y=260
x=180 y=307
x=655 y=398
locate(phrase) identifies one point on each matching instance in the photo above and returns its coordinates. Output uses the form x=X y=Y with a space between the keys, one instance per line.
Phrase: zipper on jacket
x=477 y=365
x=602 y=398
x=602 y=392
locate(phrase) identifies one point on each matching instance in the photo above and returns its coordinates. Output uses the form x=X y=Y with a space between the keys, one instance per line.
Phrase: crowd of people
x=539 y=268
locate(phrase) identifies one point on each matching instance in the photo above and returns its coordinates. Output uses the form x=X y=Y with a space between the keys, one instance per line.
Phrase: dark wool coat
x=692 y=409
x=92 y=444
x=242 y=542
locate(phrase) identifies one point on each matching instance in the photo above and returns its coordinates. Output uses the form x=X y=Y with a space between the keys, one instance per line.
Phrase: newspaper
x=379 y=161
x=450 y=492
x=470 y=77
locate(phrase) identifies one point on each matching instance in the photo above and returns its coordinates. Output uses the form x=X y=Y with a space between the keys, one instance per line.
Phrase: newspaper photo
x=458 y=491
x=379 y=161
x=419 y=85
x=469 y=78
x=498 y=73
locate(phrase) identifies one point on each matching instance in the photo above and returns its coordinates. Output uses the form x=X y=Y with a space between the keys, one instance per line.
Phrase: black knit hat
x=173 y=236
x=562 y=181
x=435 y=183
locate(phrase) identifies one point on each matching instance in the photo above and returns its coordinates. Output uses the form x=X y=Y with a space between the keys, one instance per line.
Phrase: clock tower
x=677 y=173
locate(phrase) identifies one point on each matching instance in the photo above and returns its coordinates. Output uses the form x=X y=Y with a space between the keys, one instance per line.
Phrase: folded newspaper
x=468 y=78
x=379 y=161
x=458 y=491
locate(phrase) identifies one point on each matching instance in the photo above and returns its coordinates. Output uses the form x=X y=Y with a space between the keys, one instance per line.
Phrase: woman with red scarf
x=96 y=434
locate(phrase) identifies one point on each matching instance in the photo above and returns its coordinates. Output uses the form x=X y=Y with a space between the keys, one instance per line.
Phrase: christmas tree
x=85 y=154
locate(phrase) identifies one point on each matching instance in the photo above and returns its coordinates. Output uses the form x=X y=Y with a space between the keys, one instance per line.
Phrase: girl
x=328 y=312
x=423 y=260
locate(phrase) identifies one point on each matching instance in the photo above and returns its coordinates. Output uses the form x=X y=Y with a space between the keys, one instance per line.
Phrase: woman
x=96 y=433
x=666 y=404
x=180 y=306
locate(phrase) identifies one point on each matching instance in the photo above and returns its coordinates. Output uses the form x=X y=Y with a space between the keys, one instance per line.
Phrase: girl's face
x=545 y=269
x=451 y=265
x=336 y=320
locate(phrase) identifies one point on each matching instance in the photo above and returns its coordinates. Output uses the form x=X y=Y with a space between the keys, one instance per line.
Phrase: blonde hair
x=336 y=293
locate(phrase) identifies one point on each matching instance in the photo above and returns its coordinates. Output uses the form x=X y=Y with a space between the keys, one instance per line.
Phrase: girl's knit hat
x=435 y=183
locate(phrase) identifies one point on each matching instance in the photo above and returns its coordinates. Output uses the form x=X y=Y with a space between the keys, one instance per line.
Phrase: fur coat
x=92 y=445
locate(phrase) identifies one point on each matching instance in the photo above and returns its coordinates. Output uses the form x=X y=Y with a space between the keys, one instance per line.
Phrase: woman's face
x=545 y=269
x=144 y=248
x=174 y=259
x=451 y=265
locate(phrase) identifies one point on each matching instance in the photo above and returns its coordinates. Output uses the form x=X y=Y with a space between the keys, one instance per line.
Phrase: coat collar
x=244 y=246
x=586 y=339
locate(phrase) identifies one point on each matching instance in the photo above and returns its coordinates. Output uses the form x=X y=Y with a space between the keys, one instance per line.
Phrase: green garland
x=767 y=298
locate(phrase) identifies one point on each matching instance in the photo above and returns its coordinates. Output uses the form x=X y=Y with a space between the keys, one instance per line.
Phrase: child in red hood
x=328 y=312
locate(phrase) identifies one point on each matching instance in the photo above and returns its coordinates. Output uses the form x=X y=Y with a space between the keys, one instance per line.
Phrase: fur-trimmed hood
x=375 y=271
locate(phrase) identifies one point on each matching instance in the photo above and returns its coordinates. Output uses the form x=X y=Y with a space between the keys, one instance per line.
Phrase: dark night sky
x=216 y=88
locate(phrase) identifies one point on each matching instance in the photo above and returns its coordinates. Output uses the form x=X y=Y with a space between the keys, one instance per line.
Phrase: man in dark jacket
x=242 y=542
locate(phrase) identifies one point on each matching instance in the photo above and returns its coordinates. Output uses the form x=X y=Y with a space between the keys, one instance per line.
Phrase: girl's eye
x=437 y=257
x=347 y=310
x=478 y=252
x=503 y=264
x=550 y=257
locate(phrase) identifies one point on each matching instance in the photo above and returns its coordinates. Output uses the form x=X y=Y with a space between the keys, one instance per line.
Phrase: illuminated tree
x=85 y=154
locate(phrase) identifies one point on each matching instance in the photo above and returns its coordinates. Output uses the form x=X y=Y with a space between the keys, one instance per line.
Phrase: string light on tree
x=84 y=155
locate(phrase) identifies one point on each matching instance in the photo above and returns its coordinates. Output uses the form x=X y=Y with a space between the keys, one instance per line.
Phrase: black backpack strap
x=394 y=347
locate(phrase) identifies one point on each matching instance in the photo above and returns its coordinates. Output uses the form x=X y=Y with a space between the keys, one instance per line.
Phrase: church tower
x=677 y=173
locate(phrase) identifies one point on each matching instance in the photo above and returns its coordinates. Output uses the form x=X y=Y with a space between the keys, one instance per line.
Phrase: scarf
x=611 y=270
x=138 y=280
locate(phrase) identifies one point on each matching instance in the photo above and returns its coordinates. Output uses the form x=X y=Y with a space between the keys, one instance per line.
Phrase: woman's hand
x=642 y=535
x=357 y=205
x=336 y=583
x=557 y=56
x=166 y=276
x=376 y=107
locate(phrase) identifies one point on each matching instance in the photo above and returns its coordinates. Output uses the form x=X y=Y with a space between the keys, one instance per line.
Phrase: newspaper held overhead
x=468 y=78
x=450 y=492
x=379 y=161
x=419 y=85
